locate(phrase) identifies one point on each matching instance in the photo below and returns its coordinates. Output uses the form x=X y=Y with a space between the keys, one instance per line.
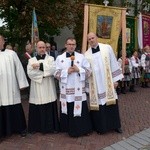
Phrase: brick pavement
x=134 y=112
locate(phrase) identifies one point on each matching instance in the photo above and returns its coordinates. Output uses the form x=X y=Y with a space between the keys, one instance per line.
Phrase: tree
x=52 y=15
x=17 y=14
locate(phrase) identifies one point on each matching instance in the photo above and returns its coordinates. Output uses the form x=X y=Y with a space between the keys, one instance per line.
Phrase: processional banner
x=146 y=30
x=106 y=22
x=131 y=34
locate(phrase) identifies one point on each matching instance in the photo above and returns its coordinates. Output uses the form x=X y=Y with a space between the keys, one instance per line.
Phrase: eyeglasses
x=71 y=44
x=41 y=47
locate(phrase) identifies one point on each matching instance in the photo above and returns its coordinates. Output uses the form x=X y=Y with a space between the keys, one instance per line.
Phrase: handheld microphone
x=72 y=60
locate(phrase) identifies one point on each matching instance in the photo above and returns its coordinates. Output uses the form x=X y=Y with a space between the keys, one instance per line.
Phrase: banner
x=131 y=34
x=131 y=42
x=35 y=32
x=146 y=29
x=106 y=23
x=143 y=30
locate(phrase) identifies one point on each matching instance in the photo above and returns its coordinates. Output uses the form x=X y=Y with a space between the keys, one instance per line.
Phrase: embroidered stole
x=94 y=105
x=110 y=92
x=77 y=92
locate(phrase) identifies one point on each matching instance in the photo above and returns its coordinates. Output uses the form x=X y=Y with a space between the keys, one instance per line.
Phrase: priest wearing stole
x=72 y=69
x=101 y=86
x=43 y=115
x=13 y=78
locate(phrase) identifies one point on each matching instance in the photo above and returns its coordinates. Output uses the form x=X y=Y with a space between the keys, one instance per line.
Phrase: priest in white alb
x=72 y=69
x=43 y=115
x=13 y=78
x=102 y=83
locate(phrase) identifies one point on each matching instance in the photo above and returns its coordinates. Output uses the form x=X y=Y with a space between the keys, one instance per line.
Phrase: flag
x=35 y=32
x=140 y=31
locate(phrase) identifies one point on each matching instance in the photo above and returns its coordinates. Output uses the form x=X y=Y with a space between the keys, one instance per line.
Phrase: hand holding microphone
x=72 y=60
x=76 y=69
x=73 y=67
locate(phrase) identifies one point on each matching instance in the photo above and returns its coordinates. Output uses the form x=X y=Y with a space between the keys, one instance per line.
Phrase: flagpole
x=34 y=32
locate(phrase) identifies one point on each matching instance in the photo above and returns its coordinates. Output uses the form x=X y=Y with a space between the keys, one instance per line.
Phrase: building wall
x=60 y=40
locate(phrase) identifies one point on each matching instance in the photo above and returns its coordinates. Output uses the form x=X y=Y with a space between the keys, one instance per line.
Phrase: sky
x=1 y=22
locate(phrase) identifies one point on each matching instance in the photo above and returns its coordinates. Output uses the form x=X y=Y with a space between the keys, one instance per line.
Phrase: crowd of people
x=87 y=84
x=136 y=71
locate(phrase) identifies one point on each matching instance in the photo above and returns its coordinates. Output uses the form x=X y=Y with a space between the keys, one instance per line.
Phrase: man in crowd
x=43 y=115
x=54 y=50
x=102 y=84
x=72 y=69
x=13 y=78
x=24 y=59
x=49 y=51
x=26 y=56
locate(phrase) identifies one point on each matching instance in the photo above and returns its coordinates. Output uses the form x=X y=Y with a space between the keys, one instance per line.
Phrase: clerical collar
x=69 y=54
x=95 y=46
x=2 y=50
x=95 y=50
x=40 y=56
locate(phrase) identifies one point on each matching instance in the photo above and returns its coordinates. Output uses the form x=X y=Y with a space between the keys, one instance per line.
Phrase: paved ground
x=139 y=141
x=135 y=117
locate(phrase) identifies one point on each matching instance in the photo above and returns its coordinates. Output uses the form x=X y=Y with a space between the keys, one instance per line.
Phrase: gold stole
x=94 y=105
x=110 y=92
x=92 y=85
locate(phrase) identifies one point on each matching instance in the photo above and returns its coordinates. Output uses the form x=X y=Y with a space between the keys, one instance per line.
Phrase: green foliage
x=17 y=14
x=52 y=15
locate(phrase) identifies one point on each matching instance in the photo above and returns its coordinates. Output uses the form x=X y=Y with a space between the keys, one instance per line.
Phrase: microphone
x=72 y=60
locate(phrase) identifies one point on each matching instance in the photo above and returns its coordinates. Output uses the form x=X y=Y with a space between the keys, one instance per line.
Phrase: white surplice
x=42 y=90
x=12 y=78
x=98 y=70
x=72 y=86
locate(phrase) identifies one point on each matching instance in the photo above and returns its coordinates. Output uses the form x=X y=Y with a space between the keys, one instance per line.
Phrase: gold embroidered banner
x=106 y=23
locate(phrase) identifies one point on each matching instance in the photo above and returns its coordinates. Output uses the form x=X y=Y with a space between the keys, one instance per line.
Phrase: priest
x=43 y=115
x=102 y=84
x=72 y=69
x=13 y=78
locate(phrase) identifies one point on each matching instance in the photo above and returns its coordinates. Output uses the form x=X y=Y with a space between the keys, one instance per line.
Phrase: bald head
x=41 y=47
x=92 y=39
x=91 y=34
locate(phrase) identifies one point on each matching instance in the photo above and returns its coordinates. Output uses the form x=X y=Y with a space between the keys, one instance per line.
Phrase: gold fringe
x=94 y=108
x=111 y=102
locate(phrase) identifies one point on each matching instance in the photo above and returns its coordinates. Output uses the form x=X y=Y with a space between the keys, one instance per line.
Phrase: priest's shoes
x=100 y=133
x=119 y=130
x=23 y=133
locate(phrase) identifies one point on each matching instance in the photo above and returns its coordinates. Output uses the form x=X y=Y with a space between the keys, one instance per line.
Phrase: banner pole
x=85 y=28
x=123 y=38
